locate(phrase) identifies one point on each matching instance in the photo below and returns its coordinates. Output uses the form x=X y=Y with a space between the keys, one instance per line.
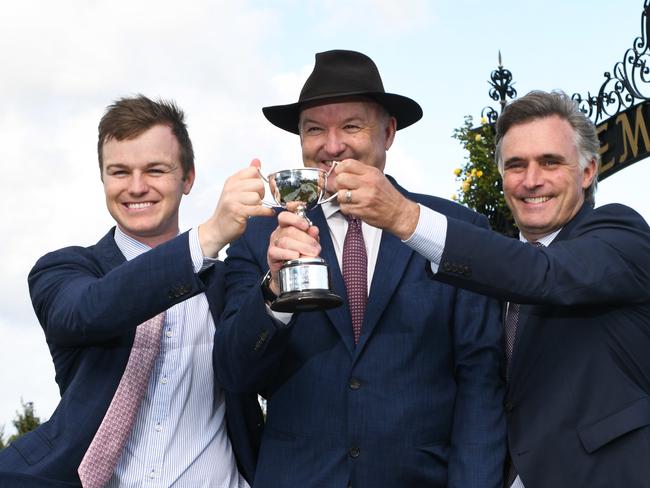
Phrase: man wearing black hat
x=400 y=385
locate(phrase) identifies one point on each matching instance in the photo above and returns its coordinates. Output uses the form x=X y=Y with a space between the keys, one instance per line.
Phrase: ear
x=589 y=173
x=389 y=131
x=188 y=182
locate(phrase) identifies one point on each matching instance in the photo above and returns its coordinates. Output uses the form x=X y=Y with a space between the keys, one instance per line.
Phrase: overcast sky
x=63 y=62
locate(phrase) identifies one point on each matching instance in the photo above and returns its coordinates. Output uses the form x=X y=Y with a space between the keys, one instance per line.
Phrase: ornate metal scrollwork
x=502 y=89
x=627 y=83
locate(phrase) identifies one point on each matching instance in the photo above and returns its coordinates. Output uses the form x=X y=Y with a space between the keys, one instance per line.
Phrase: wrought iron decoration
x=627 y=83
x=502 y=88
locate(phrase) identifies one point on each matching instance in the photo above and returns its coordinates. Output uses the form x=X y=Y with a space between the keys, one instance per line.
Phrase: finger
x=258 y=211
x=256 y=163
x=290 y=219
x=288 y=243
x=351 y=166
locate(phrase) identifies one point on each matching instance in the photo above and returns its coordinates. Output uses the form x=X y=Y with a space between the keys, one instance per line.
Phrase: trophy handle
x=331 y=197
x=264 y=202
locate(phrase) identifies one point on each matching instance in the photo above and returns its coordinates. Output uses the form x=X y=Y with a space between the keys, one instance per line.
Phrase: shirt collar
x=546 y=240
x=130 y=247
x=330 y=208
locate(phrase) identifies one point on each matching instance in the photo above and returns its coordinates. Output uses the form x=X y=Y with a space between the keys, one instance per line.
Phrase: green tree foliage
x=24 y=422
x=479 y=181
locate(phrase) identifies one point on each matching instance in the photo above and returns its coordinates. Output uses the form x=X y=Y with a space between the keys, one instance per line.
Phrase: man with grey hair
x=577 y=321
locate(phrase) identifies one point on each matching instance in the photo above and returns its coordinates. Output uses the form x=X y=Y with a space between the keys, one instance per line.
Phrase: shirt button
x=355 y=384
x=169 y=333
x=164 y=380
x=158 y=427
x=152 y=474
x=354 y=452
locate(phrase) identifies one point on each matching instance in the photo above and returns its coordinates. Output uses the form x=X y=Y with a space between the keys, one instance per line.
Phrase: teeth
x=536 y=199
x=139 y=205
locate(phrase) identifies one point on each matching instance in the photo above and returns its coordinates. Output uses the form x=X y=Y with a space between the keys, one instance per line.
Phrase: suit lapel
x=392 y=260
x=339 y=316
x=109 y=255
x=529 y=345
x=531 y=340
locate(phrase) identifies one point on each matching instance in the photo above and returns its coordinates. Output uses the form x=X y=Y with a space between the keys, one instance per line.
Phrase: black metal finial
x=502 y=89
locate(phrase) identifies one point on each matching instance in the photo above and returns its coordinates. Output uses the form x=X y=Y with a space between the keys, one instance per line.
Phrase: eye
x=117 y=172
x=351 y=128
x=313 y=130
x=513 y=165
x=549 y=162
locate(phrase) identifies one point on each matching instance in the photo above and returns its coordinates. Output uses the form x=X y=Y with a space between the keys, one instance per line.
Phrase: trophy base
x=306 y=301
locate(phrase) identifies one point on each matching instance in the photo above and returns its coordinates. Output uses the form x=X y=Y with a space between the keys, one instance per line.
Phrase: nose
x=533 y=176
x=334 y=144
x=138 y=184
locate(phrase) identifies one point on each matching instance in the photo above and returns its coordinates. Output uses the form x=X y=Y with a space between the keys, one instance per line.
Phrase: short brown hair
x=127 y=118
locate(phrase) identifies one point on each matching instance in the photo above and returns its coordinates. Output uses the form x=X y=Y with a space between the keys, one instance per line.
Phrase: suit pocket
x=33 y=446
x=633 y=416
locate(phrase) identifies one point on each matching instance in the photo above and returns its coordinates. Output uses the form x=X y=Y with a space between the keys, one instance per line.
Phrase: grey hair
x=539 y=104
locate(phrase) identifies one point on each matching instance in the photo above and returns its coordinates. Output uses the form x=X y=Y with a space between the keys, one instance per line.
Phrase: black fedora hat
x=339 y=74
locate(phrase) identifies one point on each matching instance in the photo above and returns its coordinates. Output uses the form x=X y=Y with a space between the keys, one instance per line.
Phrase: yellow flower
x=477 y=137
x=473 y=173
x=479 y=173
x=457 y=171
x=454 y=197
x=465 y=186
x=484 y=120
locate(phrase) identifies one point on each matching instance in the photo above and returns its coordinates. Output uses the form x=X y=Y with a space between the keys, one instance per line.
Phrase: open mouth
x=137 y=205
x=536 y=199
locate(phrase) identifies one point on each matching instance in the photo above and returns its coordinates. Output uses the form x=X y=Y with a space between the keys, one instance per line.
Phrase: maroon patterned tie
x=105 y=450
x=355 y=273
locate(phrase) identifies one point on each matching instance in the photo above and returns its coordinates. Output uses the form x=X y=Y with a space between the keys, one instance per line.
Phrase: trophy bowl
x=304 y=282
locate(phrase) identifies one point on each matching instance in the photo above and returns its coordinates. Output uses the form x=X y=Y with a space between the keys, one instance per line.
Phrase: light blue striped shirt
x=179 y=438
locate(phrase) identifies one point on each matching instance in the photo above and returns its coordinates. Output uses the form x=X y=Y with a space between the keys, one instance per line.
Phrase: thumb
x=256 y=163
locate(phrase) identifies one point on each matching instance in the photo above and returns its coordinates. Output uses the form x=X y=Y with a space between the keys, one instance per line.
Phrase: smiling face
x=144 y=183
x=543 y=182
x=347 y=129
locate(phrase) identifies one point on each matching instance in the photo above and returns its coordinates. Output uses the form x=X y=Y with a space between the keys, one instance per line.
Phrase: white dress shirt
x=179 y=437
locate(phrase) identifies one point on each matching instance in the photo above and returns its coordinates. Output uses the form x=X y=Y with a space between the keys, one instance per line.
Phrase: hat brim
x=405 y=110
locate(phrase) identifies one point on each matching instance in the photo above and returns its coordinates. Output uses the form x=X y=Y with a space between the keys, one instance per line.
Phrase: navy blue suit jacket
x=419 y=400
x=578 y=394
x=89 y=302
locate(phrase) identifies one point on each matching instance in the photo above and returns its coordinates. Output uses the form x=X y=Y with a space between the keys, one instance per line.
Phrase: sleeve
x=77 y=302
x=603 y=257
x=249 y=341
x=429 y=236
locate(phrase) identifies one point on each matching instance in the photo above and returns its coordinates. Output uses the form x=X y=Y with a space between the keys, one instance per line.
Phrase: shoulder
x=92 y=259
x=613 y=217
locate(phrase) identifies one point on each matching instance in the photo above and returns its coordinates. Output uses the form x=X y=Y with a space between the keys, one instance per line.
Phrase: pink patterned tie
x=355 y=273
x=99 y=462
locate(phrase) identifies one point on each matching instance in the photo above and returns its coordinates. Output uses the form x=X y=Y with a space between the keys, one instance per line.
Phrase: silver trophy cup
x=304 y=282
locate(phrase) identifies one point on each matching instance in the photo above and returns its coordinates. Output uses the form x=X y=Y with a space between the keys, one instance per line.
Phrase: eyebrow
x=150 y=164
x=544 y=156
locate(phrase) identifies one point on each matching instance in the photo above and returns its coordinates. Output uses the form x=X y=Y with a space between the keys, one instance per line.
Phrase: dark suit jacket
x=578 y=395
x=89 y=302
x=418 y=402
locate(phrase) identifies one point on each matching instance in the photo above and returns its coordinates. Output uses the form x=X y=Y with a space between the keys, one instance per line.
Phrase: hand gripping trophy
x=304 y=282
